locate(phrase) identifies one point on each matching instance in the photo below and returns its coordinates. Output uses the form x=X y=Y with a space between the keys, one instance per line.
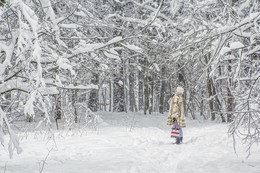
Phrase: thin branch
x=5 y=167
x=13 y=89
x=67 y=16
x=44 y=161
x=10 y=77
x=154 y=17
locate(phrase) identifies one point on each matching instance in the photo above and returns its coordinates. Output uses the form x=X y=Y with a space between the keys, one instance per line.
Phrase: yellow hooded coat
x=176 y=110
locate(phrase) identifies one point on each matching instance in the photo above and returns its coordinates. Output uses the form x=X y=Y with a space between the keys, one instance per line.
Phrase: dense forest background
x=59 y=57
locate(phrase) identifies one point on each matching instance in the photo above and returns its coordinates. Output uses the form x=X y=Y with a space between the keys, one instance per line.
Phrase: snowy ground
x=147 y=148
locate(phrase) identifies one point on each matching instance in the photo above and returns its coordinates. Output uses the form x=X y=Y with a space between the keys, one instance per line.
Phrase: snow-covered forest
x=68 y=66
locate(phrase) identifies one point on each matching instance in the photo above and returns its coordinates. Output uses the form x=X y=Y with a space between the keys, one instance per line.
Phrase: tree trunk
x=111 y=94
x=146 y=88
x=218 y=102
x=136 y=90
x=230 y=97
x=211 y=102
x=202 y=109
x=104 y=97
x=210 y=89
x=192 y=109
x=119 y=93
x=74 y=107
x=146 y=95
x=162 y=91
x=93 y=101
x=58 y=112
x=141 y=88
x=182 y=82
x=127 y=86
x=133 y=107
x=151 y=88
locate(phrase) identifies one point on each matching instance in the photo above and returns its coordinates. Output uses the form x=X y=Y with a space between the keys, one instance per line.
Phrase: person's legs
x=181 y=135
x=179 y=139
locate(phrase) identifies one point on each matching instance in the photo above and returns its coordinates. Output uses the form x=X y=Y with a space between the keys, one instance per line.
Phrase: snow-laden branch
x=19 y=84
x=98 y=46
x=73 y=87
x=154 y=17
x=14 y=140
x=220 y=31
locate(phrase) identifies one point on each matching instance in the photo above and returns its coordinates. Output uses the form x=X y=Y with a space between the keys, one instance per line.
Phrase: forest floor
x=132 y=143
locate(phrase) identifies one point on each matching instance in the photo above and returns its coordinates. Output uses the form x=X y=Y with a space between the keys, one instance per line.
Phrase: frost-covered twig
x=246 y=122
x=91 y=119
x=14 y=140
x=44 y=161
x=5 y=167
x=154 y=17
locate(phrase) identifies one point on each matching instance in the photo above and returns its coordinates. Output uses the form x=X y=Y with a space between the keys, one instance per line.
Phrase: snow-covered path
x=147 y=148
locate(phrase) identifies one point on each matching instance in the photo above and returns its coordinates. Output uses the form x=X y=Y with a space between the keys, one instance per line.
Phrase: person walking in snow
x=176 y=115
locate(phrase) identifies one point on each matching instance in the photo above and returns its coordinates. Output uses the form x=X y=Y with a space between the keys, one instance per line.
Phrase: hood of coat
x=179 y=91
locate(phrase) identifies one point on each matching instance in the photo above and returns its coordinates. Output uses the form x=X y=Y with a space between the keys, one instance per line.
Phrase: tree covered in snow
x=224 y=47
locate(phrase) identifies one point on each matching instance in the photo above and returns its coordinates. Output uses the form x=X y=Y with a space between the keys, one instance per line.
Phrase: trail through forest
x=122 y=144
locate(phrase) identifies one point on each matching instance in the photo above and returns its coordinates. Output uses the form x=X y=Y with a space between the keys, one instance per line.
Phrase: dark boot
x=181 y=138
x=178 y=140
